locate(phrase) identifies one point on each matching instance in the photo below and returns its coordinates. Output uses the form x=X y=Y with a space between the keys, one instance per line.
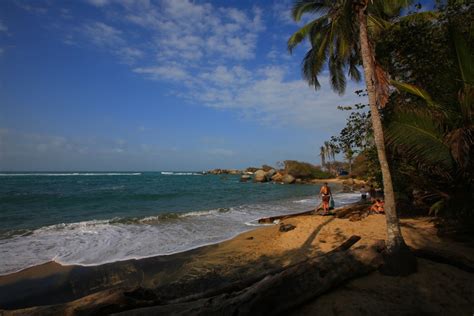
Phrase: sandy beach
x=436 y=289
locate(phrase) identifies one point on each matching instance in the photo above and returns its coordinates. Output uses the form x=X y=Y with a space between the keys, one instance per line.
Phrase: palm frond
x=336 y=71
x=390 y=8
x=465 y=57
x=303 y=32
x=376 y=24
x=420 y=17
x=419 y=139
x=308 y=6
x=354 y=72
x=315 y=58
x=460 y=141
x=414 y=90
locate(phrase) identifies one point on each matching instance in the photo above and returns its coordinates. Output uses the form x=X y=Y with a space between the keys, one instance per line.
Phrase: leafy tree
x=439 y=137
x=339 y=36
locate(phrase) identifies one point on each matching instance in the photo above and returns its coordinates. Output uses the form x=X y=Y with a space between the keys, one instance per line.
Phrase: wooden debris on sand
x=279 y=292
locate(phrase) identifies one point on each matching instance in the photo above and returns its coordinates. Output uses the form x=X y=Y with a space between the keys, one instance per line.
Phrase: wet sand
x=73 y=288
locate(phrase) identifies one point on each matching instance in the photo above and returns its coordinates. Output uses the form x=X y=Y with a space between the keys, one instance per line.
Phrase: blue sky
x=156 y=85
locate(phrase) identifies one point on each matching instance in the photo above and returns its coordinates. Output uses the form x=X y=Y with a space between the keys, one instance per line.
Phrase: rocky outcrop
x=224 y=171
x=277 y=177
x=288 y=179
x=251 y=170
x=270 y=173
x=260 y=176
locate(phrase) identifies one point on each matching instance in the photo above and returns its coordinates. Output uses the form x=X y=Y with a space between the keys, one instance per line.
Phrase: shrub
x=304 y=170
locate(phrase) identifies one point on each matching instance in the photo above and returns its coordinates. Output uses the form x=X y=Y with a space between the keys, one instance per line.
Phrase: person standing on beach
x=325 y=197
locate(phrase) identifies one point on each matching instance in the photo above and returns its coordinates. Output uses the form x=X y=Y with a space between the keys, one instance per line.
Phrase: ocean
x=91 y=218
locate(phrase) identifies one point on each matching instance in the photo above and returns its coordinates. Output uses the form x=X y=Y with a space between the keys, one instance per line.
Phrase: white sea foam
x=100 y=241
x=171 y=173
x=71 y=174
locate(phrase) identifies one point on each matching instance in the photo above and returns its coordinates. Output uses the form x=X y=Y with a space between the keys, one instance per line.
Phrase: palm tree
x=322 y=154
x=349 y=155
x=439 y=138
x=340 y=37
x=327 y=151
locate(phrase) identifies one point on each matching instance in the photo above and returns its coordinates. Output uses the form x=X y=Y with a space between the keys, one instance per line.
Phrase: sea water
x=90 y=218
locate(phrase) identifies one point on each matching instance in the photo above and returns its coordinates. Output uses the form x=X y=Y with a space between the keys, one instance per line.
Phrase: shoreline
x=249 y=253
x=247 y=223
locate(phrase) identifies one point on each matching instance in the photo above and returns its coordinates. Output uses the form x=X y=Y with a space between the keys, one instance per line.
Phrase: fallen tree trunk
x=446 y=257
x=351 y=210
x=271 y=219
x=340 y=212
x=239 y=285
x=279 y=292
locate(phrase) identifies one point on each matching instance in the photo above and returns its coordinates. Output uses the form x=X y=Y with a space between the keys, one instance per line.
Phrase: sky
x=144 y=85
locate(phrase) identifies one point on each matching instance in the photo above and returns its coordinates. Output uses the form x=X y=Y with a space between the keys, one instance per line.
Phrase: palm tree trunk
x=396 y=247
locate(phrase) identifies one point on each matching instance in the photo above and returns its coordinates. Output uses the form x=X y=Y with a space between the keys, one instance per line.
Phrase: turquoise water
x=92 y=217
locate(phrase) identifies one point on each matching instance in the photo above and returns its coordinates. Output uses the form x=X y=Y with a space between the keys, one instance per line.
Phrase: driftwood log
x=444 y=256
x=356 y=211
x=281 y=291
x=271 y=219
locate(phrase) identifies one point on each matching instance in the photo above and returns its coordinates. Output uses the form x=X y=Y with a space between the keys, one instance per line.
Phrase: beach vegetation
x=429 y=125
x=305 y=170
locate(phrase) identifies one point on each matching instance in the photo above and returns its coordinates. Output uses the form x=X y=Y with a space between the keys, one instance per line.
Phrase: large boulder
x=260 y=176
x=277 y=177
x=270 y=173
x=288 y=179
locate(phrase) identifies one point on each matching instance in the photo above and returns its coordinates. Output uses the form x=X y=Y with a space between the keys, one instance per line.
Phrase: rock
x=270 y=173
x=245 y=178
x=298 y=180
x=288 y=179
x=251 y=169
x=278 y=177
x=224 y=171
x=250 y=238
x=286 y=227
x=260 y=176
x=266 y=168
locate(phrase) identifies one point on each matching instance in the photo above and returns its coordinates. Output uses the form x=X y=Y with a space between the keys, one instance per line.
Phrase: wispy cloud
x=103 y=35
x=208 y=56
x=107 y=37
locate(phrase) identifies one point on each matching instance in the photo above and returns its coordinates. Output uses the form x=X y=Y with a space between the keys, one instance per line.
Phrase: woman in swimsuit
x=326 y=197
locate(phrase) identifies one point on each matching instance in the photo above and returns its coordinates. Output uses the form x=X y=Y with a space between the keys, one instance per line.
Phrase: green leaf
x=465 y=57
x=420 y=139
x=412 y=89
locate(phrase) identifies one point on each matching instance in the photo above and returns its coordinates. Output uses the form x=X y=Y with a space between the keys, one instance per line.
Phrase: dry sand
x=436 y=289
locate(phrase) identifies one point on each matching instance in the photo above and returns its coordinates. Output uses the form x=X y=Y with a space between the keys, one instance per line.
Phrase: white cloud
x=174 y=73
x=207 y=54
x=129 y=54
x=102 y=34
x=267 y=96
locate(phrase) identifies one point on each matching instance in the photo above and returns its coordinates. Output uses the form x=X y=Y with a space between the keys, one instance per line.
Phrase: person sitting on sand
x=377 y=207
x=372 y=193
x=325 y=197
x=363 y=193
